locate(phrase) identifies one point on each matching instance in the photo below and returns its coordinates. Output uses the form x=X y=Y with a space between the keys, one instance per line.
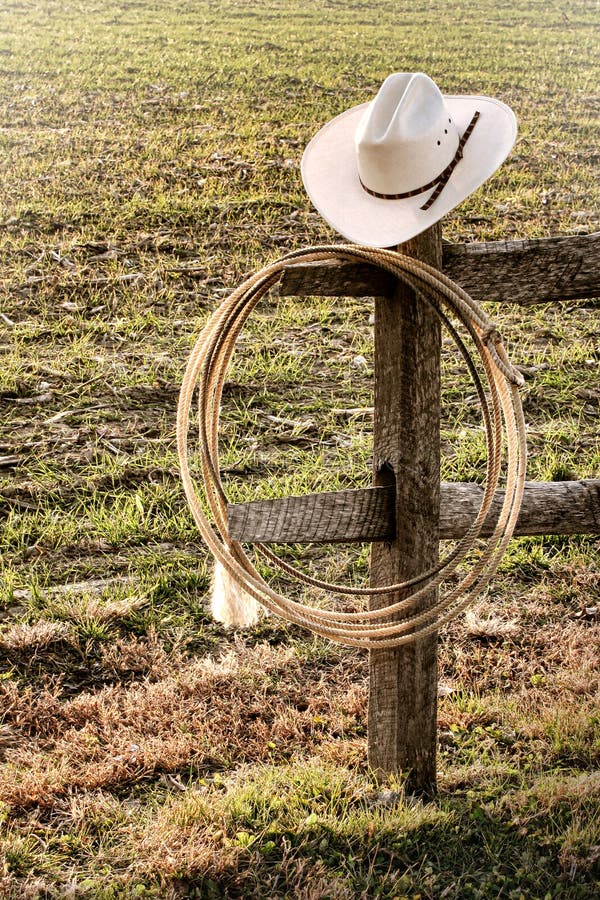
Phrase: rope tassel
x=229 y=602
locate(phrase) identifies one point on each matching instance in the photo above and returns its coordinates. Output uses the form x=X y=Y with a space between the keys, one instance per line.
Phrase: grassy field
x=149 y=157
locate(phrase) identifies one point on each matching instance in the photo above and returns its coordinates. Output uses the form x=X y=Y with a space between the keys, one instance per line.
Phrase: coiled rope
x=400 y=622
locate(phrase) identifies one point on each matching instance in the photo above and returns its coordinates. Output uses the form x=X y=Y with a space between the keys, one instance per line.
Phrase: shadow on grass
x=313 y=832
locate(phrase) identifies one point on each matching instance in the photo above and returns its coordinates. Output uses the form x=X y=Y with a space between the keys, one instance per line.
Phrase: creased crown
x=406 y=137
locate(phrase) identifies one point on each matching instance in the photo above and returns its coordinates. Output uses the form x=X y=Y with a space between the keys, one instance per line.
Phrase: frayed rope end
x=230 y=603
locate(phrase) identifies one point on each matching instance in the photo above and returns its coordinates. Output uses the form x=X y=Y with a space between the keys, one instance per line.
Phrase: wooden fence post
x=403 y=682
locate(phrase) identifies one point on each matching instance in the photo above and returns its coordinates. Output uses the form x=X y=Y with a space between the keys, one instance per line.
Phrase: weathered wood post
x=406 y=452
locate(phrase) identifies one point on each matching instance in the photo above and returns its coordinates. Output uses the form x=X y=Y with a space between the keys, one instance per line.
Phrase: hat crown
x=406 y=137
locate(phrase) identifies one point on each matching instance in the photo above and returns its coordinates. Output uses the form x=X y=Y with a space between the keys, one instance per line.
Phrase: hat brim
x=330 y=174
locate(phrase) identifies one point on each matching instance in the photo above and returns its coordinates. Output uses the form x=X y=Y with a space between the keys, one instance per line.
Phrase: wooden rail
x=549 y=507
x=522 y=272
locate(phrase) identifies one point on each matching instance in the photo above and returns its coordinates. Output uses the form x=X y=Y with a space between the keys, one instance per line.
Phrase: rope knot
x=491 y=337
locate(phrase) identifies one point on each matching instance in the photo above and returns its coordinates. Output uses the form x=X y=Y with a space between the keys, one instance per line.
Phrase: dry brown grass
x=249 y=704
x=37 y=636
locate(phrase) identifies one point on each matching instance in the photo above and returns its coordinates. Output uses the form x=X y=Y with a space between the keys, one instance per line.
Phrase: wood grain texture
x=402 y=718
x=527 y=272
x=336 y=279
x=549 y=507
x=334 y=517
x=521 y=272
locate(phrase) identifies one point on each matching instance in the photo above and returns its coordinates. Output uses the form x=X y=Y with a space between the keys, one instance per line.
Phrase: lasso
x=400 y=622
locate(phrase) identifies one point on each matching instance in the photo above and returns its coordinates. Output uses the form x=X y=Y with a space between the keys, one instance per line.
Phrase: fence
x=407 y=511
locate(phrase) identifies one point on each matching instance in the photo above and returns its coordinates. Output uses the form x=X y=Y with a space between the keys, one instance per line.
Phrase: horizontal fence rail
x=521 y=272
x=549 y=507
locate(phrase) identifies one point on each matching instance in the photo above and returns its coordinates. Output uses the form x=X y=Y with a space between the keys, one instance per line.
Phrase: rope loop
x=400 y=622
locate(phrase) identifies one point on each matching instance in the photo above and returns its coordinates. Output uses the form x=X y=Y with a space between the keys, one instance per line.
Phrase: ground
x=150 y=158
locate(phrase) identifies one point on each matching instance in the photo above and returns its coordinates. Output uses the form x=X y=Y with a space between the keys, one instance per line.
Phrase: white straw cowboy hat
x=384 y=171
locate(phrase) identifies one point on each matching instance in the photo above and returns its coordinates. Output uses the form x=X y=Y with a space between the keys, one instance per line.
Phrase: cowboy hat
x=384 y=171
